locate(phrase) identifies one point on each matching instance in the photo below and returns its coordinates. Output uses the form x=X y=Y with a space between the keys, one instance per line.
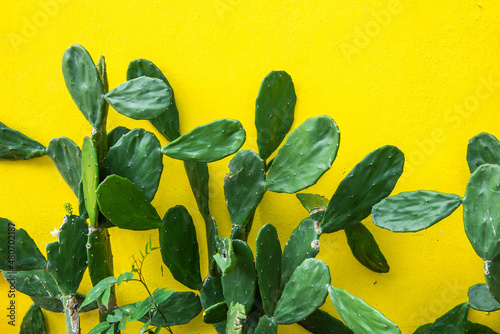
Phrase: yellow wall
x=421 y=75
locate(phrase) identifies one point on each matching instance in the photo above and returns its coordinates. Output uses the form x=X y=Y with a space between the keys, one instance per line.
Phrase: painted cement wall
x=421 y=75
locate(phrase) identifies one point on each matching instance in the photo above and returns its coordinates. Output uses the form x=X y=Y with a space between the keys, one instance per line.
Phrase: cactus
x=453 y=321
x=207 y=143
x=321 y=322
x=483 y=149
x=179 y=247
x=365 y=249
x=16 y=146
x=480 y=299
x=358 y=315
x=274 y=110
x=33 y=321
x=308 y=153
x=314 y=204
x=266 y=325
x=414 y=211
x=67 y=157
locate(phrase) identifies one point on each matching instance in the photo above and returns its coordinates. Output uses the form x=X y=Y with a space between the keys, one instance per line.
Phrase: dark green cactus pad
x=480 y=299
x=140 y=98
x=422 y=329
x=369 y=181
x=197 y=173
x=90 y=179
x=492 y=275
x=473 y=328
x=114 y=135
x=67 y=157
x=103 y=73
x=482 y=211
x=235 y=318
x=16 y=146
x=266 y=325
x=244 y=186
x=314 y=204
x=303 y=244
x=124 y=205
x=33 y=321
x=34 y=283
x=211 y=232
x=99 y=255
x=274 y=110
x=307 y=154
x=168 y=122
x=81 y=202
x=55 y=304
x=215 y=313
x=483 y=149
x=240 y=285
x=67 y=257
x=304 y=293
x=414 y=211
x=18 y=252
x=84 y=84
x=268 y=265
x=358 y=315
x=211 y=292
x=454 y=321
x=225 y=257
x=365 y=249
x=252 y=321
x=179 y=309
x=206 y=143
x=179 y=247
x=137 y=157
x=320 y=322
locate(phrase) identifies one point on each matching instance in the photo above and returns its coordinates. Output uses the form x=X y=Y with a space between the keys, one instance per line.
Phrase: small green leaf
x=161 y=294
x=100 y=328
x=125 y=277
x=98 y=290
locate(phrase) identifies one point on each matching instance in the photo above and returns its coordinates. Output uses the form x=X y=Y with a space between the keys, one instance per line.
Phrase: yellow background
x=421 y=75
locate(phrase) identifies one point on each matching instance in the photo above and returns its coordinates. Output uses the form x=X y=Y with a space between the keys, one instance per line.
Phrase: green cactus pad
x=103 y=73
x=320 y=322
x=235 y=318
x=240 y=285
x=480 y=299
x=99 y=255
x=137 y=157
x=114 y=135
x=358 y=315
x=454 y=321
x=274 y=110
x=225 y=257
x=365 y=249
x=414 y=211
x=67 y=157
x=483 y=149
x=67 y=257
x=211 y=292
x=314 y=204
x=168 y=122
x=422 y=329
x=84 y=84
x=369 y=181
x=211 y=232
x=473 y=328
x=90 y=179
x=482 y=211
x=303 y=244
x=179 y=247
x=206 y=143
x=492 y=275
x=33 y=321
x=197 y=173
x=308 y=153
x=34 y=283
x=124 y=205
x=266 y=325
x=179 y=309
x=268 y=265
x=215 y=313
x=18 y=252
x=244 y=186
x=140 y=98
x=16 y=146
x=304 y=293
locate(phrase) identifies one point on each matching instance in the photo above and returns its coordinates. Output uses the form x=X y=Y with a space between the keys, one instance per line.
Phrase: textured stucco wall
x=421 y=75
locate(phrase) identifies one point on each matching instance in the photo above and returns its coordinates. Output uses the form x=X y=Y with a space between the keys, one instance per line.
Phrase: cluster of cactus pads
x=116 y=175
